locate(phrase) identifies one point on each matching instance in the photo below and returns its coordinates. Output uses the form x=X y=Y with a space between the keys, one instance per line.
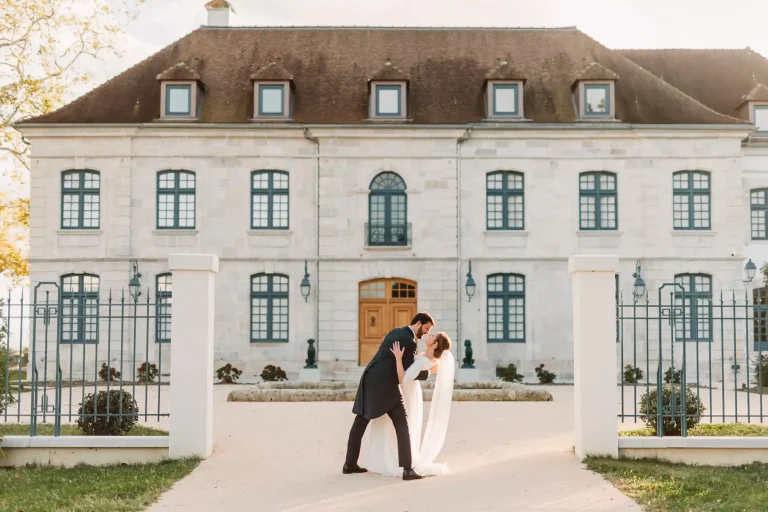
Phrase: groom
x=379 y=394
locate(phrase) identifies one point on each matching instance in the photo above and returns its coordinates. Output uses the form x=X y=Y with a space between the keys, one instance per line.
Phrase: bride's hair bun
x=443 y=343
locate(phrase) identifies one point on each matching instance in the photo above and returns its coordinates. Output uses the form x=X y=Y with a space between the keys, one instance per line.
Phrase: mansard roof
x=331 y=67
x=720 y=79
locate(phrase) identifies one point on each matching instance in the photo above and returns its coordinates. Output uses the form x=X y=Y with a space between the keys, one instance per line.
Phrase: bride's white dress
x=382 y=451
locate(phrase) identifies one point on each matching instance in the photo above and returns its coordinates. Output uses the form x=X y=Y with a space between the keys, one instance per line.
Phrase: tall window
x=269 y=307
x=164 y=299
x=758 y=200
x=269 y=200
x=504 y=200
x=80 y=201
x=597 y=201
x=387 y=213
x=760 y=318
x=175 y=200
x=691 y=204
x=693 y=307
x=506 y=308
x=80 y=308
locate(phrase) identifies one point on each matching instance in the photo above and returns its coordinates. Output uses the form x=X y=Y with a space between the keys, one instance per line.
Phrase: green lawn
x=665 y=487
x=13 y=375
x=709 y=430
x=46 y=429
x=121 y=488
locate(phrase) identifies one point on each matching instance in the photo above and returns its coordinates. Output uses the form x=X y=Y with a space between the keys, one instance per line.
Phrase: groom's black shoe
x=349 y=469
x=410 y=474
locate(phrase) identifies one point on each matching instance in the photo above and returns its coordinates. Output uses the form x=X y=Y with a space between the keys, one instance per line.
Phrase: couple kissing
x=390 y=387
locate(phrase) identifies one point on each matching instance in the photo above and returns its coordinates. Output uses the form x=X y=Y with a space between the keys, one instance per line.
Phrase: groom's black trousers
x=400 y=419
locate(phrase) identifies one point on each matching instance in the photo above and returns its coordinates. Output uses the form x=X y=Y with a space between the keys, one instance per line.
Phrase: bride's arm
x=398 y=360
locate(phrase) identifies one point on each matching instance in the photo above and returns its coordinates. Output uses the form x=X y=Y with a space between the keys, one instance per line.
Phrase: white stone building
x=384 y=161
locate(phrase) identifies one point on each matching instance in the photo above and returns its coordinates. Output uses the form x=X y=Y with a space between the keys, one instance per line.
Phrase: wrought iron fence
x=63 y=345
x=689 y=355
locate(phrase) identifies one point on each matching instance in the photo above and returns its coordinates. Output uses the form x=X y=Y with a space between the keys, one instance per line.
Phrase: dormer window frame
x=754 y=106
x=168 y=85
x=402 y=92
x=287 y=100
x=492 y=112
x=609 y=86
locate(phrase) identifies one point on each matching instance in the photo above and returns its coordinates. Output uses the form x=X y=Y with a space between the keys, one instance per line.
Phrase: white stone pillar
x=594 y=355
x=192 y=354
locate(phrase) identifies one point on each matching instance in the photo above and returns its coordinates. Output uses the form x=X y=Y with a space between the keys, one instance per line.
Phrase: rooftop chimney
x=218 y=13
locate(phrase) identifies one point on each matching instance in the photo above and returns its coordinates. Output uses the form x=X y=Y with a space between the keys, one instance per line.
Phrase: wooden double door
x=384 y=305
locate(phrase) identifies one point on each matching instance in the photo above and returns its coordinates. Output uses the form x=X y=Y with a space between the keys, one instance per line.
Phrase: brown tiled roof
x=389 y=72
x=758 y=93
x=718 y=78
x=596 y=71
x=272 y=71
x=504 y=71
x=331 y=67
x=180 y=71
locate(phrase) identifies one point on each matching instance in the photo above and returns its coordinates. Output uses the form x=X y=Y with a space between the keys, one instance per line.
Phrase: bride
x=382 y=452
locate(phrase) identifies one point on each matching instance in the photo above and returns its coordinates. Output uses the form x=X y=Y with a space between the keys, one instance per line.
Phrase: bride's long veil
x=439 y=415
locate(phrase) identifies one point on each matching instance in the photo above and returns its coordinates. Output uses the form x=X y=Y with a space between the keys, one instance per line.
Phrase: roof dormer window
x=597 y=100
x=595 y=92
x=180 y=92
x=178 y=99
x=389 y=100
x=505 y=99
x=504 y=93
x=272 y=91
x=760 y=115
x=388 y=93
x=271 y=99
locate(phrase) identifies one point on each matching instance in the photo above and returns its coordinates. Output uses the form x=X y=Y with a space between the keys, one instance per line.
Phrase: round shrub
x=147 y=373
x=509 y=374
x=672 y=421
x=116 y=424
x=273 y=373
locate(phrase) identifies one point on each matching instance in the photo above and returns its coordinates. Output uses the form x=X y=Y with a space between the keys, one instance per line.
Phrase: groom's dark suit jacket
x=379 y=390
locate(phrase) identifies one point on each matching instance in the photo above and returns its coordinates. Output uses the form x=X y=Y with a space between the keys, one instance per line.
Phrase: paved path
x=288 y=457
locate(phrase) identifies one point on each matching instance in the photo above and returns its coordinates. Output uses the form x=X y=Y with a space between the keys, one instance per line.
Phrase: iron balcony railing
x=384 y=235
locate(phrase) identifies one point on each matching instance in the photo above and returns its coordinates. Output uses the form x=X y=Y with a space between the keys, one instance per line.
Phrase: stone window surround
x=580 y=101
x=373 y=101
x=490 y=100
x=193 y=98
x=287 y=100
